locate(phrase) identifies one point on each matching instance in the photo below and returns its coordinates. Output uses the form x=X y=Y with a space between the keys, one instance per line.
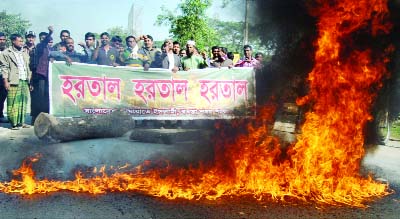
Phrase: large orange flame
x=323 y=165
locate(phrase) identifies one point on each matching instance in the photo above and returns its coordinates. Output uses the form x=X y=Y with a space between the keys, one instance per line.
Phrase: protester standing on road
x=30 y=48
x=3 y=91
x=40 y=82
x=14 y=65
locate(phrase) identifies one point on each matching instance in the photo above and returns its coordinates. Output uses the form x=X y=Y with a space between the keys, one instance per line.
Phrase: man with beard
x=192 y=61
x=3 y=91
x=64 y=35
x=220 y=58
x=223 y=60
x=72 y=54
x=14 y=64
x=105 y=54
x=215 y=55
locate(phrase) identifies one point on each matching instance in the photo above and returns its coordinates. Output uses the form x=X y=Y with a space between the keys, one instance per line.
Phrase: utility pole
x=246 y=24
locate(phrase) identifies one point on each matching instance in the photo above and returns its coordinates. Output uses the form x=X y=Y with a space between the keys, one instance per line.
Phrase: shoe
x=15 y=128
x=3 y=120
x=24 y=125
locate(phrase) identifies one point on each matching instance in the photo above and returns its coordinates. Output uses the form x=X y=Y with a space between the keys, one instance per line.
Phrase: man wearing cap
x=3 y=91
x=30 y=38
x=192 y=61
x=30 y=48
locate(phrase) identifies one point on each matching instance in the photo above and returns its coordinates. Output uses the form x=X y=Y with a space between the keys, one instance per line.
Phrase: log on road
x=52 y=129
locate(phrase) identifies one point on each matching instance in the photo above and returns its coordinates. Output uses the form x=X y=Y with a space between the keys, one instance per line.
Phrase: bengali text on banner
x=213 y=93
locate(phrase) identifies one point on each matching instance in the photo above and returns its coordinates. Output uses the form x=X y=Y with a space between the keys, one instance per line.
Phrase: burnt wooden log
x=285 y=125
x=53 y=129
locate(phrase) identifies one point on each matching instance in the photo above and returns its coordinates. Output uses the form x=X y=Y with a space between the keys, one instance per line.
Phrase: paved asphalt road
x=59 y=160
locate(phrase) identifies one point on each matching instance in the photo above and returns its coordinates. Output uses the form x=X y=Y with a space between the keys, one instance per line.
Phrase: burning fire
x=323 y=165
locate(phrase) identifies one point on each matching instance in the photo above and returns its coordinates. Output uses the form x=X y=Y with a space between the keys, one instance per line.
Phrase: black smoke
x=288 y=28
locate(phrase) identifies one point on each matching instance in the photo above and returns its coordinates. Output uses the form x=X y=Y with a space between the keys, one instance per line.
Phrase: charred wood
x=53 y=129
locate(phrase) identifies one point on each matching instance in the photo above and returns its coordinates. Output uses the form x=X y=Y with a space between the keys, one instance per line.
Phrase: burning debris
x=322 y=166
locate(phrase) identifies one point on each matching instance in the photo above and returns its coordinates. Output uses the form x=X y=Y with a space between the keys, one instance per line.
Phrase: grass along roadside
x=395 y=130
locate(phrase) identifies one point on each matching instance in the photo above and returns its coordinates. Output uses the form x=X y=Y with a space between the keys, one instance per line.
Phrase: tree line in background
x=191 y=22
x=13 y=23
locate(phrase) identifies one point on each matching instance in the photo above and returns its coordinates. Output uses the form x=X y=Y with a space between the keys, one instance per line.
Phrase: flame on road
x=322 y=166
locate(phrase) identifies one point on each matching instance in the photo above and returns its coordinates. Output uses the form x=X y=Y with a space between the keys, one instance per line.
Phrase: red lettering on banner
x=164 y=88
x=94 y=88
x=112 y=85
x=67 y=87
x=230 y=89
x=226 y=90
x=241 y=88
x=179 y=87
x=94 y=84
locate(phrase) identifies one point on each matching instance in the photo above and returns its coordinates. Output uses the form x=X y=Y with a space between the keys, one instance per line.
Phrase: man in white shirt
x=171 y=61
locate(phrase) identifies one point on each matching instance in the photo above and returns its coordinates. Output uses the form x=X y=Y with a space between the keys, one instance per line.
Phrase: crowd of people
x=24 y=66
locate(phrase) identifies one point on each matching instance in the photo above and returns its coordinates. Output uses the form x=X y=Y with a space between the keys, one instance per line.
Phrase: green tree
x=191 y=24
x=13 y=23
x=118 y=31
x=230 y=34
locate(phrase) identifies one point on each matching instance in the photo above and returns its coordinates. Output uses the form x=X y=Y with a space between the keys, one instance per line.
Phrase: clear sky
x=81 y=16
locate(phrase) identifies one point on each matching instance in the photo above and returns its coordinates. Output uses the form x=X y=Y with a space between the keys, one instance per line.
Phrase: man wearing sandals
x=14 y=65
